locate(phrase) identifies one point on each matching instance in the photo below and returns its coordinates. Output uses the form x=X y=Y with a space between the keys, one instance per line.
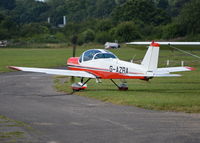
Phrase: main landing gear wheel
x=123 y=87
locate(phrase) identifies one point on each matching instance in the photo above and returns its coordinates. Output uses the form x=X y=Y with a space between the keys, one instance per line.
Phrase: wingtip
x=13 y=68
x=190 y=68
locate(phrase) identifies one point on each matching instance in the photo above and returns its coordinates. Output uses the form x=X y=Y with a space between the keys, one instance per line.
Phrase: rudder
x=150 y=61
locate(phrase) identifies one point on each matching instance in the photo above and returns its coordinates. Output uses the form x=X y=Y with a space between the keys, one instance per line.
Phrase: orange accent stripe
x=107 y=75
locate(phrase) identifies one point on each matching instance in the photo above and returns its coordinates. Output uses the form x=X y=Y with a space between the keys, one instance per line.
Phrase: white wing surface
x=166 y=43
x=55 y=71
x=164 y=72
x=154 y=75
x=167 y=75
x=172 y=69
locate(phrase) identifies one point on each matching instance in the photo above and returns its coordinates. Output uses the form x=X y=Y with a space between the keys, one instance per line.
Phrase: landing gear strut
x=122 y=86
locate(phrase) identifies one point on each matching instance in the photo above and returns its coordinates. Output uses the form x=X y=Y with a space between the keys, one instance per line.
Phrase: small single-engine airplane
x=102 y=64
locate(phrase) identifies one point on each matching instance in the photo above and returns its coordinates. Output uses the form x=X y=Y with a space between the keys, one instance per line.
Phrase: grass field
x=35 y=57
x=171 y=94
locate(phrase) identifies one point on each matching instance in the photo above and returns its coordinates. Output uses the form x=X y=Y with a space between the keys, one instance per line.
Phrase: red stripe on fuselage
x=106 y=75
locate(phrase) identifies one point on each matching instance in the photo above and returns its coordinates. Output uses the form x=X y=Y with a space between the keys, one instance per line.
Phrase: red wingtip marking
x=190 y=68
x=153 y=44
x=14 y=68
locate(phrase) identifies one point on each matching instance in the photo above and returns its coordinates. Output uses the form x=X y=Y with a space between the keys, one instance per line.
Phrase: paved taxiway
x=60 y=118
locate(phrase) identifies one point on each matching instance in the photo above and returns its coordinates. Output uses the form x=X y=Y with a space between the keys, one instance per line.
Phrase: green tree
x=2 y=17
x=119 y=2
x=104 y=25
x=8 y=4
x=104 y=8
x=27 y=11
x=103 y=37
x=140 y=10
x=176 y=6
x=72 y=29
x=189 y=17
x=32 y=29
x=126 y=31
x=8 y=28
x=172 y=30
x=164 y=4
x=86 y=36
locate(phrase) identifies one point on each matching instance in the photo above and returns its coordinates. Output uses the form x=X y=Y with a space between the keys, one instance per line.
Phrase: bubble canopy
x=94 y=54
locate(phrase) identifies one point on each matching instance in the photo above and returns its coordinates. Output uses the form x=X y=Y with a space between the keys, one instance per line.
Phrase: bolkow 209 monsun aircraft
x=102 y=64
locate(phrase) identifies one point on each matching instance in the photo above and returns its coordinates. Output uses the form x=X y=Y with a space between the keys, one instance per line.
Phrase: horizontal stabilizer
x=154 y=75
x=173 y=69
x=139 y=75
x=167 y=75
x=55 y=71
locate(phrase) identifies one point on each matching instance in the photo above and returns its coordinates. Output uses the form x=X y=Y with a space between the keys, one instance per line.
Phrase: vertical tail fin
x=150 y=61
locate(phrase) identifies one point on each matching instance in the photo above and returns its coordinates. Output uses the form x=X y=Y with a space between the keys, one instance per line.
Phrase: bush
x=41 y=38
x=86 y=37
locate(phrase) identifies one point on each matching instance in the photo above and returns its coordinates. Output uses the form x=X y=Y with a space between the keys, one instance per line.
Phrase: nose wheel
x=80 y=85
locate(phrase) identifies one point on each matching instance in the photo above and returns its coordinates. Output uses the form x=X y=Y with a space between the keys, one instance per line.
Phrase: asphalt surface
x=59 y=118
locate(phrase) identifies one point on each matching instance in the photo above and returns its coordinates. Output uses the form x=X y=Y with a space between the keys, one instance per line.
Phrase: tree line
x=99 y=20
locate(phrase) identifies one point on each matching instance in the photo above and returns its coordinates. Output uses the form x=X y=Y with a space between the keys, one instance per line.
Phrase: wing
x=166 y=43
x=55 y=71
